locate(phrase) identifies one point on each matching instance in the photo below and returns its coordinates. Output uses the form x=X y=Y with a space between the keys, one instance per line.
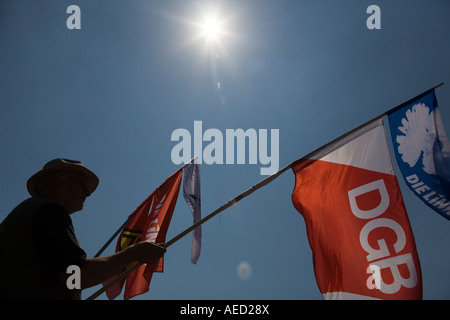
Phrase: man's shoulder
x=30 y=206
x=37 y=203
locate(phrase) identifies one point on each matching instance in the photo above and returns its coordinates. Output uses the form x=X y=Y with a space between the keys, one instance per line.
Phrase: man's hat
x=58 y=165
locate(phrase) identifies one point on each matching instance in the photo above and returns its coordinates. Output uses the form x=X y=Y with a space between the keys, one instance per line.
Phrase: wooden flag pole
x=112 y=237
x=411 y=100
x=236 y=199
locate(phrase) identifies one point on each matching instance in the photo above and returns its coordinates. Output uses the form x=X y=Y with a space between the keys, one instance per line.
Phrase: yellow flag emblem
x=129 y=237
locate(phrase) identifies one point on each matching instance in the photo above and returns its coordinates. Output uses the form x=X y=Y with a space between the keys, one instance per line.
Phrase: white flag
x=191 y=193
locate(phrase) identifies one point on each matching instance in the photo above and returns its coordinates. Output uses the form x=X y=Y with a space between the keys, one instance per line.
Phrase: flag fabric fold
x=422 y=150
x=362 y=243
x=150 y=222
x=192 y=195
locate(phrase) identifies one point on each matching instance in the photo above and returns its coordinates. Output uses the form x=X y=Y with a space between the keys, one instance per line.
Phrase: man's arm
x=99 y=269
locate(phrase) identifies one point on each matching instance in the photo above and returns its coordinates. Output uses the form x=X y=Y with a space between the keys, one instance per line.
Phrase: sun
x=212 y=28
x=211 y=31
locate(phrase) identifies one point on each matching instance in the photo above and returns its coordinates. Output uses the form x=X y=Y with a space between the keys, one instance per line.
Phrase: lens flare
x=244 y=270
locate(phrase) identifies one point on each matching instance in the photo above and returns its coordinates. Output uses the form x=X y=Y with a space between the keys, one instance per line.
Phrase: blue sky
x=112 y=93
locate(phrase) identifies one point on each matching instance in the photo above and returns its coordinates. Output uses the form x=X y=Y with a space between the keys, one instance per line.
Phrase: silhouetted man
x=38 y=242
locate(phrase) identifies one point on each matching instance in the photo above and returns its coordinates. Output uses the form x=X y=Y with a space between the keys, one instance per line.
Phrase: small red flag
x=150 y=222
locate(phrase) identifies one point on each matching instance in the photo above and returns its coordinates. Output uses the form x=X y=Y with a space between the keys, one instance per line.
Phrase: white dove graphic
x=418 y=139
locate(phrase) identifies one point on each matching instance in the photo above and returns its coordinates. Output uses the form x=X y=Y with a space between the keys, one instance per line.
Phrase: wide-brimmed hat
x=58 y=165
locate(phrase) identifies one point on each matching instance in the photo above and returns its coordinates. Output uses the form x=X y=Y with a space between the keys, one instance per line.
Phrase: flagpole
x=248 y=192
x=327 y=145
x=411 y=100
x=274 y=176
x=231 y=202
x=123 y=275
x=112 y=237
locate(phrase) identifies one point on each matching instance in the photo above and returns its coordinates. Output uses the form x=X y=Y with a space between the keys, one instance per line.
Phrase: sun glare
x=211 y=28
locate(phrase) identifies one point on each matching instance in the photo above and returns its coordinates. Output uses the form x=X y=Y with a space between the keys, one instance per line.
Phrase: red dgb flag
x=357 y=225
x=149 y=222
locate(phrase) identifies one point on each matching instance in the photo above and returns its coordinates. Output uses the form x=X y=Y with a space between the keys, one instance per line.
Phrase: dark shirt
x=37 y=241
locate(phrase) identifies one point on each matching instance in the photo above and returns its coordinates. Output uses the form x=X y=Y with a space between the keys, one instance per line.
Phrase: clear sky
x=112 y=93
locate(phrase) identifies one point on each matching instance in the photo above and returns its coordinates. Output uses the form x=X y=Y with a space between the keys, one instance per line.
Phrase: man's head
x=66 y=181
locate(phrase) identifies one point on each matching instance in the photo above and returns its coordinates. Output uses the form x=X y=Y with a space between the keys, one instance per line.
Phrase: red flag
x=357 y=225
x=149 y=222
